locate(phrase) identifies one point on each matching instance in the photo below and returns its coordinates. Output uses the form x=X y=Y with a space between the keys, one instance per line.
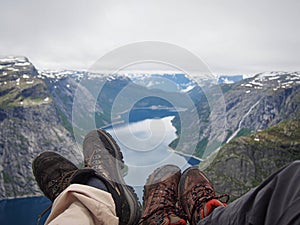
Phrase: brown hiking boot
x=197 y=196
x=160 y=197
x=53 y=173
x=102 y=154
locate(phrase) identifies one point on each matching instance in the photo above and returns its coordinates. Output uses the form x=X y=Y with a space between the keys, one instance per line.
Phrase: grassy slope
x=244 y=162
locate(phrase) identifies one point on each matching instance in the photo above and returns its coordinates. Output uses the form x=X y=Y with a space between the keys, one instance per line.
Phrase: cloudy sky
x=230 y=36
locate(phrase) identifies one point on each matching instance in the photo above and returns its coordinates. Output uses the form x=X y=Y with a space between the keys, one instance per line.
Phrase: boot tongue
x=175 y=220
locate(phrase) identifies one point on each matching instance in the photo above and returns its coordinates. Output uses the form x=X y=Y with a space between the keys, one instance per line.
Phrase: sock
x=97 y=183
x=210 y=206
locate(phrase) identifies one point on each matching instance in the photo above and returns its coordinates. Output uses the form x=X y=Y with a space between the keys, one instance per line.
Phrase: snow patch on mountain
x=170 y=82
x=274 y=80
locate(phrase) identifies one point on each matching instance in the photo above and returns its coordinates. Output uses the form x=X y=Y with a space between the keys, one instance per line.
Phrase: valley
x=232 y=124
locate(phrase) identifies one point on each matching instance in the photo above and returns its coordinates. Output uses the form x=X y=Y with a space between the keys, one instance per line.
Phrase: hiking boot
x=52 y=173
x=160 y=197
x=102 y=154
x=197 y=196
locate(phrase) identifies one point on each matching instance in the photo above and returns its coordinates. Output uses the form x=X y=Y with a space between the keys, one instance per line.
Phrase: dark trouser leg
x=274 y=202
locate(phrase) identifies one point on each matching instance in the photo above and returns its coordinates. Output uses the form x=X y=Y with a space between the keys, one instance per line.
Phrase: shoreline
x=191 y=159
x=185 y=155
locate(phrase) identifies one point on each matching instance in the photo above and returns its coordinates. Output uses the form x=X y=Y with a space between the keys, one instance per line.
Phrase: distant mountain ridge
x=167 y=82
x=251 y=105
x=225 y=79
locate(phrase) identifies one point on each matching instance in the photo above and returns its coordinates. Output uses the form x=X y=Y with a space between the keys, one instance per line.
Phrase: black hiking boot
x=160 y=197
x=53 y=173
x=102 y=154
x=197 y=196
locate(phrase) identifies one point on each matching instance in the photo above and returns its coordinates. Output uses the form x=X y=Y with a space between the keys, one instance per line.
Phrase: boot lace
x=55 y=187
x=165 y=207
x=201 y=195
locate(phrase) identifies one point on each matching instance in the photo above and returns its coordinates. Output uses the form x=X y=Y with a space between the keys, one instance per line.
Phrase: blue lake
x=145 y=147
x=22 y=211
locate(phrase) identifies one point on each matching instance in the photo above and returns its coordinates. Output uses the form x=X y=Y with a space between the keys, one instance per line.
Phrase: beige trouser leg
x=82 y=204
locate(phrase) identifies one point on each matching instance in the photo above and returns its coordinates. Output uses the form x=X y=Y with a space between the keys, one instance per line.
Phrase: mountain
x=225 y=79
x=245 y=162
x=242 y=108
x=29 y=124
x=37 y=114
x=63 y=85
x=274 y=98
x=108 y=98
x=53 y=110
x=176 y=82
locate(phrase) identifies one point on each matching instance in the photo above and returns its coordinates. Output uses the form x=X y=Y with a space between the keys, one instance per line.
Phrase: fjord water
x=23 y=211
x=144 y=145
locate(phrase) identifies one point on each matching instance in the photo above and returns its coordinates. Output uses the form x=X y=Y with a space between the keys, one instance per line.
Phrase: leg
x=275 y=201
x=82 y=204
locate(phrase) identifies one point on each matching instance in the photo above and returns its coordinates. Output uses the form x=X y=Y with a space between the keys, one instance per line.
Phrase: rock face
x=248 y=106
x=245 y=162
x=263 y=101
x=29 y=124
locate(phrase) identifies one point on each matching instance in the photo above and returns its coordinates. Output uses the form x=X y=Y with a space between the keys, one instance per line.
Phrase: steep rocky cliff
x=244 y=107
x=29 y=124
x=246 y=161
x=262 y=101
